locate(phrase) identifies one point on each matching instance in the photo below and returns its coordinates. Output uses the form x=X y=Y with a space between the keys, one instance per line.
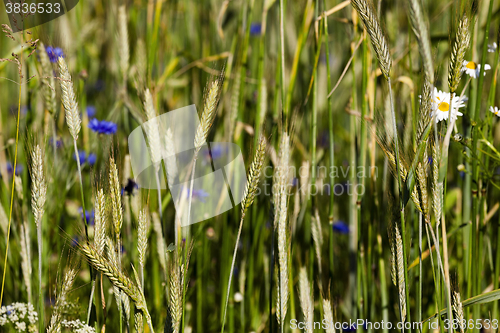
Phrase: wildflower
x=495 y=110
x=19 y=169
x=255 y=29
x=92 y=158
x=74 y=241
x=103 y=127
x=210 y=233
x=492 y=47
x=58 y=143
x=198 y=194
x=238 y=297
x=82 y=156
x=54 y=53
x=341 y=227
x=91 y=111
x=77 y=326
x=89 y=216
x=216 y=151
x=21 y=315
x=473 y=69
x=440 y=103
x=130 y=187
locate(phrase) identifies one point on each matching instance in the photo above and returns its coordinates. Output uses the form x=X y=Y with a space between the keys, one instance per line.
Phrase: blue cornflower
x=54 y=53
x=198 y=194
x=255 y=29
x=58 y=143
x=341 y=227
x=103 y=127
x=19 y=169
x=82 y=155
x=92 y=158
x=429 y=159
x=324 y=139
x=89 y=216
x=91 y=111
x=217 y=151
x=74 y=241
x=130 y=187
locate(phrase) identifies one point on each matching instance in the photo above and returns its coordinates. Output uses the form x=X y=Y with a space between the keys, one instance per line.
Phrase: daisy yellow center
x=471 y=65
x=443 y=106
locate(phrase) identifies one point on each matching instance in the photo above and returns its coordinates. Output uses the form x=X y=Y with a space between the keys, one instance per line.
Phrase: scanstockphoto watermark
x=361 y=324
x=300 y=180
x=208 y=180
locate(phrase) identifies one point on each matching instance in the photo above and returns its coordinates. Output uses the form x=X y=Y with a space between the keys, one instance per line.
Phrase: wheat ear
x=55 y=320
x=456 y=305
x=38 y=197
x=138 y=323
x=100 y=222
x=175 y=299
x=248 y=198
x=317 y=236
x=397 y=264
x=328 y=316
x=377 y=37
x=306 y=300
x=142 y=242
x=116 y=202
x=281 y=210
x=422 y=33
x=118 y=279
x=69 y=100
x=208 y=114
x=458 y=52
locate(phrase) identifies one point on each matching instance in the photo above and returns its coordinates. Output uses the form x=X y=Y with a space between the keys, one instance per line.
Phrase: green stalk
x=362 y=164
x=331 y=144
x=353 y=221
x=306 y=22
x=282 y=62
x=476 y=281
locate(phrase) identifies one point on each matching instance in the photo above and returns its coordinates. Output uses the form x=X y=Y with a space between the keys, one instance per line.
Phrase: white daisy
x=473 y=69
x=492 y=47
x=495 y=110
x=440 y=105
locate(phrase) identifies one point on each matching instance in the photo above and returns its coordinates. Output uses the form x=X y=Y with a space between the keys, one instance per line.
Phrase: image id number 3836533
x=33 y=8
x=471 y=324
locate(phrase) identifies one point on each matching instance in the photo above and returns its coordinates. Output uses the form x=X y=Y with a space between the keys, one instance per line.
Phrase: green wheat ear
x=462 y=41
x=377 y=37
x=397 y=261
